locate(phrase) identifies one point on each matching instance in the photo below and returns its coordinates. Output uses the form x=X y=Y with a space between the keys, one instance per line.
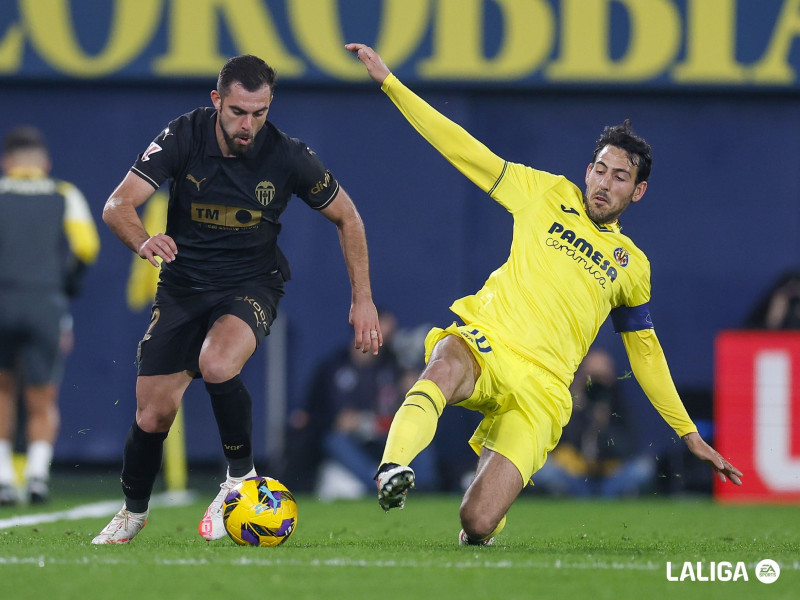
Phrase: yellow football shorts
x=525 y=407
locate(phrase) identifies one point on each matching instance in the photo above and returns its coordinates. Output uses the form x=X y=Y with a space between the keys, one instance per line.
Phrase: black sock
x=233 y=410
x=141 y=461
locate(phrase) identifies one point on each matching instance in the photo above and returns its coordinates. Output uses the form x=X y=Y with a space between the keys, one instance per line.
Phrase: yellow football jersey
x=564 y=273
x=563 y=276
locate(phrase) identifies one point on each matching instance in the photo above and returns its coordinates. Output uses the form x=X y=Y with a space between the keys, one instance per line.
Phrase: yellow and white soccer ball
x=260 y=511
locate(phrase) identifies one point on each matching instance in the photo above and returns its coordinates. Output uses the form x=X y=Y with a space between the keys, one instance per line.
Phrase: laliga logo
x=767 y=571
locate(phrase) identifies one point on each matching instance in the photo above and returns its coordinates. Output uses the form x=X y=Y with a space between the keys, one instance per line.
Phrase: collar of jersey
x=26 y=173
x=615 y=227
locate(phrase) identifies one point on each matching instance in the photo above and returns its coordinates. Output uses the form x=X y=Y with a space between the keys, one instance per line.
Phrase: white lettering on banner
x=715 y=571
x=773 y=423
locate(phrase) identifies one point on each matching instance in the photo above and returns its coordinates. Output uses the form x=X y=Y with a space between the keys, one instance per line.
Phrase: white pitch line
x=546 y=565
x=42 y=560
x=96 y=509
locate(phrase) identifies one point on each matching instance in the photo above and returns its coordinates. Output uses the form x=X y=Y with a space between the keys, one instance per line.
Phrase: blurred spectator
x=338 y=436
x=779 y=308
x=597 y=454
x=47 y=239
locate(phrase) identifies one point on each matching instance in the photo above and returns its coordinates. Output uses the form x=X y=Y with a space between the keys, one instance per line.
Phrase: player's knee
x=476 y=523
x=449 y=373
x=215 y=369
x=154 y=420
x=437 y=369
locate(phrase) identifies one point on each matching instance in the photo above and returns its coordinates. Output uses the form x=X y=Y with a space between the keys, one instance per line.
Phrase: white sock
x=40 y=453
x=252 y=473
x=7 y=474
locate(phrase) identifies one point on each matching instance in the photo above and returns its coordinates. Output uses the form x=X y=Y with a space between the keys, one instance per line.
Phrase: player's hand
x=704 y=452
x=160 y=245
x=371 y=59
x=364 y=319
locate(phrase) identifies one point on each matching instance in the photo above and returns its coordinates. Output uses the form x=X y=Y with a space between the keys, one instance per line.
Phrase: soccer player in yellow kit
x=527 y=330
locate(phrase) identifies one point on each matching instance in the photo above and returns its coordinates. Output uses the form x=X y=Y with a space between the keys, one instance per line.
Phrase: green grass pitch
x=550 y=549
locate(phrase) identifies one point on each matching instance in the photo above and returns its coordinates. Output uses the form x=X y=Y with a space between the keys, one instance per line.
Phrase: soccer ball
x=260 y=511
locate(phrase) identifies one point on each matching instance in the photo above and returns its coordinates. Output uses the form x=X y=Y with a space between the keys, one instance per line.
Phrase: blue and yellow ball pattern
x=260 y=511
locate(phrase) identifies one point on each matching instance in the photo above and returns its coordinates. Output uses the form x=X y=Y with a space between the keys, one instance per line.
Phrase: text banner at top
x=658 y=44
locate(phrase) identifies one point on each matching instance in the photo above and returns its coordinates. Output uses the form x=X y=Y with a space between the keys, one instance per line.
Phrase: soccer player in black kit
x=231 y=175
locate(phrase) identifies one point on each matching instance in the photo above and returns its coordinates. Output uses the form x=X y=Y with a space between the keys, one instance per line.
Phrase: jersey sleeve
x=315 y=184
x=79 y=226
x=632 y=311
x=161 y=160
x=519 y=185
x=650 y=368
x=482 y=166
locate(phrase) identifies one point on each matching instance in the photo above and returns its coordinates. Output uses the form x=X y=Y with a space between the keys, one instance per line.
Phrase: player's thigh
x=453 y=368
x=451 y=363
x=227 y=346
x=255 y=303
x=174 y=336
x=496 y=485
x=228 y=343
x=532 y=408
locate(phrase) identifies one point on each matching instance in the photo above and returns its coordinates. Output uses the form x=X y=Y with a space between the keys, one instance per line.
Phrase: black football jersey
x=224 y=212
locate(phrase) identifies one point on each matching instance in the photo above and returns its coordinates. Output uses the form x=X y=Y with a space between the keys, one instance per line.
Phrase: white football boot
x=463 y=540
x=211 y=526
x=8 y=495
x=122 y=528
x=394 y=481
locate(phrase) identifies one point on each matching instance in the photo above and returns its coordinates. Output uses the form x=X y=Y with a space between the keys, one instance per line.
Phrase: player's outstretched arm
x=725 y=470
x=376 y=68
x=457 y=145
x=650 y=368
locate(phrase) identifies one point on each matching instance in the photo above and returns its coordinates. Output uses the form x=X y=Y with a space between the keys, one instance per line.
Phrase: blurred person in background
x=47 y=240
x=526 y=331
x=232 y=174
x=341 y=430
x=779 y=307
x=597 y=454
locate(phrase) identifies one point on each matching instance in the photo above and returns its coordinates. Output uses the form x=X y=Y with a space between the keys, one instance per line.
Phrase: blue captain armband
x=631 y=318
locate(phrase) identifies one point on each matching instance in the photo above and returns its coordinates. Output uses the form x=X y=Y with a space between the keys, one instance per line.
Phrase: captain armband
x=631 y=318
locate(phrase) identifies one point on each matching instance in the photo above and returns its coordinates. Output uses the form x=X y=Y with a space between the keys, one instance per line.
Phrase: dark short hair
x=25 y=137
x=623 y=136
x=252 y=72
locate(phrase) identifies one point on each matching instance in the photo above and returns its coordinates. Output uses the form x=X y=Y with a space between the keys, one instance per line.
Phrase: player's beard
x=604 y=217
x=233 y=147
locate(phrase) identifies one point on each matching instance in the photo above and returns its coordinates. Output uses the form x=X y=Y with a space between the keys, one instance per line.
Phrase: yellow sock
x=415 y=423
x=497 y=529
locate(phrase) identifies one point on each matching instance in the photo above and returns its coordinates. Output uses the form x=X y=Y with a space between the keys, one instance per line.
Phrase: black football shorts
x=31 y=324
x=180 y=320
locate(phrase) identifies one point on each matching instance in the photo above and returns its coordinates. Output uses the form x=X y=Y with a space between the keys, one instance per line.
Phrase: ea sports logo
x=768 y=571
